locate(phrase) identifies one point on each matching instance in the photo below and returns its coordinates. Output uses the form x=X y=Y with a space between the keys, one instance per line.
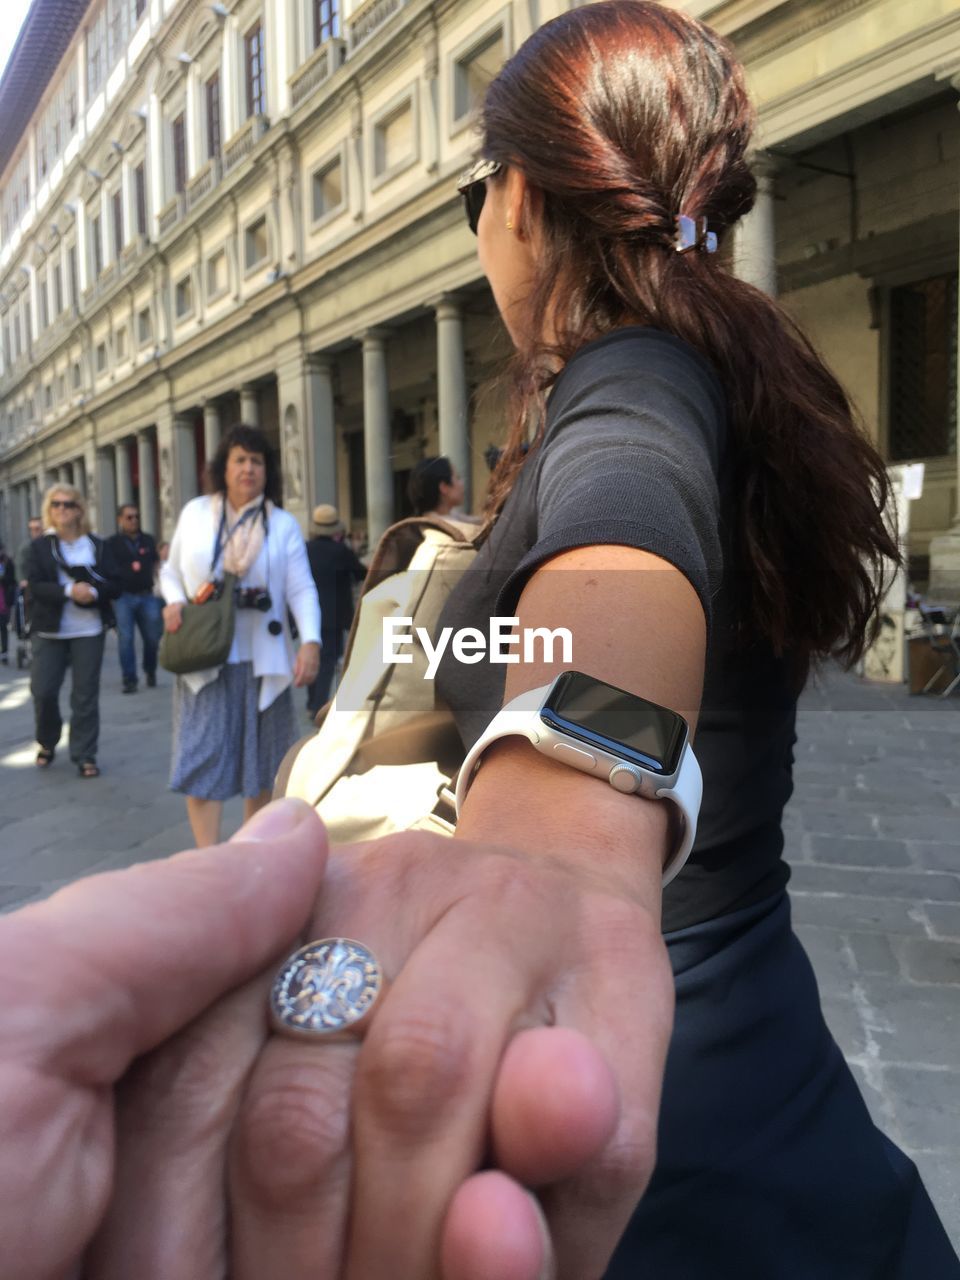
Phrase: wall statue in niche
x=292 y=458
x=168 y=514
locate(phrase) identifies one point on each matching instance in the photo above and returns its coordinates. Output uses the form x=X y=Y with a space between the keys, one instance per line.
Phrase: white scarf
x=243 y=532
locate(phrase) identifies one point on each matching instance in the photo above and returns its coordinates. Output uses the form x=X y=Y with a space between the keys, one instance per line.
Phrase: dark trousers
x=769 y=1166
x=142 y=612
x=4 y=621
x=318 y=693
x=47 y=670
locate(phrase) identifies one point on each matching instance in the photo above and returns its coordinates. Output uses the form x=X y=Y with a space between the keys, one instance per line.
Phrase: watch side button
x=573 y=755
x=623 y=778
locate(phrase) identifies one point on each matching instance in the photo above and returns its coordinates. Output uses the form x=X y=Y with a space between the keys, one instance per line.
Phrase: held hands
x=524 y=1033
x=307 y=664
x=172 y=616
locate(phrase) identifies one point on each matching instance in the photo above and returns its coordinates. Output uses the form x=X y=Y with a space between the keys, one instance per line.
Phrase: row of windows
x=394 y=147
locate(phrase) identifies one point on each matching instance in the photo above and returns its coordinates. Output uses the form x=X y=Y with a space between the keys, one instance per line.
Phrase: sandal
x=88 y=769
x=44 y=758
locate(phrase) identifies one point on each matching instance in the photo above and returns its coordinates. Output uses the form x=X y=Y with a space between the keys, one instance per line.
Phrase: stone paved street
x=873 y=835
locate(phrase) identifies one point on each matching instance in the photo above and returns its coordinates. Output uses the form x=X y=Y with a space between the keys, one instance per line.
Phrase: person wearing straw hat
x=335 y=567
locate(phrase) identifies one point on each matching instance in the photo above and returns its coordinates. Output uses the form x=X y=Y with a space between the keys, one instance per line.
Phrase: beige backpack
x=385 y=750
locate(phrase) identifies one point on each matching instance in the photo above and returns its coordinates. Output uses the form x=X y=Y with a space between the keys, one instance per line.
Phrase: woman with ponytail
x=572 y=1073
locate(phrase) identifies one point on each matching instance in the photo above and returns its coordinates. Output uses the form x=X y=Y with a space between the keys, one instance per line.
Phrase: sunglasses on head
x=67 y=503
x=472 y=185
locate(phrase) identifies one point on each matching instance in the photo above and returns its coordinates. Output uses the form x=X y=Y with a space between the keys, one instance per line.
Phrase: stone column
x=185 y=453
x=80 y=476
x=376 y=433
x=107 y=490
x=65 y=474
x=124 y=473
x=169 y=507
x=945 y=547
x=149 y=504
x=754 y=244
x=321 y=436
x=211 y=429
x=90 y=481
x=249 y=408
x=452 y=390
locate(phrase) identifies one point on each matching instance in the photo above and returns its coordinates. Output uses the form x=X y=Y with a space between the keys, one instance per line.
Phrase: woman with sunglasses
x=71 y=588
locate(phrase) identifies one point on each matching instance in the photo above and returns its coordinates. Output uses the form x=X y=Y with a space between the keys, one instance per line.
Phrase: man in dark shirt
x=135 y=557
x=335 y=567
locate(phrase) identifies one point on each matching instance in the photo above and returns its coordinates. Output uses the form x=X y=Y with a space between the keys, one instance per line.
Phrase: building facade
x=246 y=211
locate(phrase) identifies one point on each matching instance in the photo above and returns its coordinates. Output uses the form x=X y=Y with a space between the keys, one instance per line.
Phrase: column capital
x=320 y=362
x=765 y=167
x=375 y=338
x=447 y=306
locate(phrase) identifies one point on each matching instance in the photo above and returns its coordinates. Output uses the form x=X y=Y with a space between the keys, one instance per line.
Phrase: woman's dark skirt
x=769 y=1166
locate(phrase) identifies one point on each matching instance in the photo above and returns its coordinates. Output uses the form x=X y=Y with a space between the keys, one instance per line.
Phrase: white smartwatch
x=638 y=747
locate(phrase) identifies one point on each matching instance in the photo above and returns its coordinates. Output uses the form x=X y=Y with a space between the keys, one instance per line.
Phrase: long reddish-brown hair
x=622 y=115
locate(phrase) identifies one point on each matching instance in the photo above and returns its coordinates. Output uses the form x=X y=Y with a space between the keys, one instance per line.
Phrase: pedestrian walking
x=34 y=530
x=8 y=594
x=71 y=584
x=335 y=567
x=233 y=724
x=136 y=558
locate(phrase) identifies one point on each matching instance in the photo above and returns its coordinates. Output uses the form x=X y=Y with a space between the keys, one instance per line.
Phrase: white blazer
x=282 y=564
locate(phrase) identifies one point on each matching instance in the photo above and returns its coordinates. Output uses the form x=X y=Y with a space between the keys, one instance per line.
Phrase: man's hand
x=83 y=593
x=104 y=972
x=173 y=616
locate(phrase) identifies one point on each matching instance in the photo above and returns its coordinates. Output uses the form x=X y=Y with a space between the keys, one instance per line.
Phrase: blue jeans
x=146 y=613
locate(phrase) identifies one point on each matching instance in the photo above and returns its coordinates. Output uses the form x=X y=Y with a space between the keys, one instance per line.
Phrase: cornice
x=791 y=22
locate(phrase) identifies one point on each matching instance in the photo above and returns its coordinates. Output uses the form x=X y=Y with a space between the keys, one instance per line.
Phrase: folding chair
x=944 y=641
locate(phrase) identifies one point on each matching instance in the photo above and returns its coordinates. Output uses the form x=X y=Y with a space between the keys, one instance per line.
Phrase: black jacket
x=125 y=553
x=8 y=581
x=335 y=567
x=46 y=593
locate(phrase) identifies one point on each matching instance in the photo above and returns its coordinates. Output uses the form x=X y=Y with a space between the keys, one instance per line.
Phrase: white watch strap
x=516 y=720
x=686 y=795
x=513 y=720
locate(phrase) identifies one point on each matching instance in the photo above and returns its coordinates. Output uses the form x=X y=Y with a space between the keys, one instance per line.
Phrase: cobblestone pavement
x=873 y=833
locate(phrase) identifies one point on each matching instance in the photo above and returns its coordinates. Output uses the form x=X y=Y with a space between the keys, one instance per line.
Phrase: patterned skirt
x=222 y=745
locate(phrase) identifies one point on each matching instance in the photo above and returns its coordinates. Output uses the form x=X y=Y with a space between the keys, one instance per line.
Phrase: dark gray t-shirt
x=637 y=452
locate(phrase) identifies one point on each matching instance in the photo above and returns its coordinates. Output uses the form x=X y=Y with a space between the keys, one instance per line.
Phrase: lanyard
x=221 y=543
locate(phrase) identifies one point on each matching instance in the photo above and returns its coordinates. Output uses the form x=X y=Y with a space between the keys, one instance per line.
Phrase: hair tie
x=693 y=233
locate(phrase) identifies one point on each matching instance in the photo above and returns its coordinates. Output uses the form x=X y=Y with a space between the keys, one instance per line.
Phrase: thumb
x=114 y=964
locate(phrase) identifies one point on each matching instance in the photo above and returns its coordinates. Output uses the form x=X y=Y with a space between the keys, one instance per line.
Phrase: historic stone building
x=215 y=212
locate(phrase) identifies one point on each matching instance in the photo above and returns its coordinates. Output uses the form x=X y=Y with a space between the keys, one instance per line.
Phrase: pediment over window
x=171 y=78
x=204 y=28
x=132 y=129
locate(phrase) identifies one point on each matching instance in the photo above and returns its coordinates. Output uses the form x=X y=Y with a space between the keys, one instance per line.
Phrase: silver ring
x=326 y=990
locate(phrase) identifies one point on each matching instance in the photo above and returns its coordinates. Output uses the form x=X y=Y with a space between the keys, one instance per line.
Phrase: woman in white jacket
x=233 y=724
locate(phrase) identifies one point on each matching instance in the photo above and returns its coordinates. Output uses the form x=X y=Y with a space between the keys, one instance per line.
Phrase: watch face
x=642 y=732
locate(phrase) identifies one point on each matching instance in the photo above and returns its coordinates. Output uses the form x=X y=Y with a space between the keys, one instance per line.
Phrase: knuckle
x=290 y=1133
x=414 y=1069
x=179 y=1089
x=621 y=1173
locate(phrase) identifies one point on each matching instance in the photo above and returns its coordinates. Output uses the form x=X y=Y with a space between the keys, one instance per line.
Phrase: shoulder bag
x=205 y=634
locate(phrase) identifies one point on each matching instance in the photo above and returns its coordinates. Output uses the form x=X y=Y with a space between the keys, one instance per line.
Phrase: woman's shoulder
x=197 y=508
x=636 y=352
